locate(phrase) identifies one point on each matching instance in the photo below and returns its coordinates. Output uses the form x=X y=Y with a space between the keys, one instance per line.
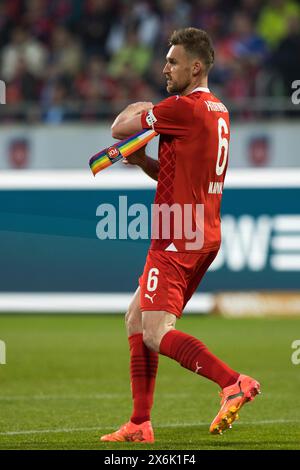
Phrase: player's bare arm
x=129 y=120
x=147 y=164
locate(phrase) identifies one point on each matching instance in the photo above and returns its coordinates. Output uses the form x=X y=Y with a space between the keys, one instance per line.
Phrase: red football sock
x=143 y=369
x=194 y=355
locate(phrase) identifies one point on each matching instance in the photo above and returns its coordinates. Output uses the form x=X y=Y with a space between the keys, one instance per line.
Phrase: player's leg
x=143 y=369
x=170 y=279
x=236 y=394
x=143 y=364
x=133 y=316
x=190 y=352
x=155 y=325
x=160 y=335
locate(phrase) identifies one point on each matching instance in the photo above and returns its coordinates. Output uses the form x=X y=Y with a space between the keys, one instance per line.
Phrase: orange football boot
x=233 y=398
x=131 y=432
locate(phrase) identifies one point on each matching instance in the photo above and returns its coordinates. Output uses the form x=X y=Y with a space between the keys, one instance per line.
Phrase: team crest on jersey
x=150 y=118
x=113 y=153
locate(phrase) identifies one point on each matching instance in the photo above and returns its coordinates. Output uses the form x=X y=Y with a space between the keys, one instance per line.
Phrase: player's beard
x=174 y=87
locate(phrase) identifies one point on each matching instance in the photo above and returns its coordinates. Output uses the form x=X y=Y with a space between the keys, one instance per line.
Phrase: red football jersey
x=193 y=157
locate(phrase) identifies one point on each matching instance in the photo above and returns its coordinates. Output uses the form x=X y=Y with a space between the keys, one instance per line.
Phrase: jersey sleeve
x=172 y=116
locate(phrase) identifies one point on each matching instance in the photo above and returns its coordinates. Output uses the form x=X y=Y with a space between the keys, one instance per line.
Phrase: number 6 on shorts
x=152 y=279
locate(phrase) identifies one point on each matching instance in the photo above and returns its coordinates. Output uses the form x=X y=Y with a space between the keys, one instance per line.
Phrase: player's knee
x=150 y=339
x=155 y=326
x=133 y=321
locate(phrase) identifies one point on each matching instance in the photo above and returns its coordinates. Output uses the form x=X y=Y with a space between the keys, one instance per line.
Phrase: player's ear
x=197 y=67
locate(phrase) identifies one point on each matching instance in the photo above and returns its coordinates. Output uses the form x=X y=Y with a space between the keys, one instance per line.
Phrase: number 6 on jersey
x=223 y=144
x=152 y=281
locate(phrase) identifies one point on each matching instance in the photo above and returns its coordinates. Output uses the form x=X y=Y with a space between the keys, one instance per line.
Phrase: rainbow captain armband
x=121 y=149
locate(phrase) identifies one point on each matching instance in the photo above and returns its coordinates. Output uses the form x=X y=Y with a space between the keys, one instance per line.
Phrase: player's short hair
x=197 y=43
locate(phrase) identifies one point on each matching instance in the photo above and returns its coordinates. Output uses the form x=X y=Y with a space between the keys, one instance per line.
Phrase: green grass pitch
x=66 y=382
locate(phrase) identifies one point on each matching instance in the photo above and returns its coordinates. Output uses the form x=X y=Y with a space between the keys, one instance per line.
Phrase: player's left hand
x=137 y=158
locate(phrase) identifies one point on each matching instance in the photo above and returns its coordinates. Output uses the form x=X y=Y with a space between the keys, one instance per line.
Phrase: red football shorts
x=170 y=279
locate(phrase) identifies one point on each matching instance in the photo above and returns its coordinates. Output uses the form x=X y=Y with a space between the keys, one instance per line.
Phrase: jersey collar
x=200 y=88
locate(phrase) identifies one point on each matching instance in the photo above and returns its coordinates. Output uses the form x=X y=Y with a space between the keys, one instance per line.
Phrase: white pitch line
x=170 y=425
x=96 y=396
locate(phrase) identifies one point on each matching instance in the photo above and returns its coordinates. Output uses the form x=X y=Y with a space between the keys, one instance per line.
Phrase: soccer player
x=193 y=155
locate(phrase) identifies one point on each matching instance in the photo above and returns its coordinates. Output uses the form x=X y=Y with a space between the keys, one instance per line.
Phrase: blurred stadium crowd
x=66 y=60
